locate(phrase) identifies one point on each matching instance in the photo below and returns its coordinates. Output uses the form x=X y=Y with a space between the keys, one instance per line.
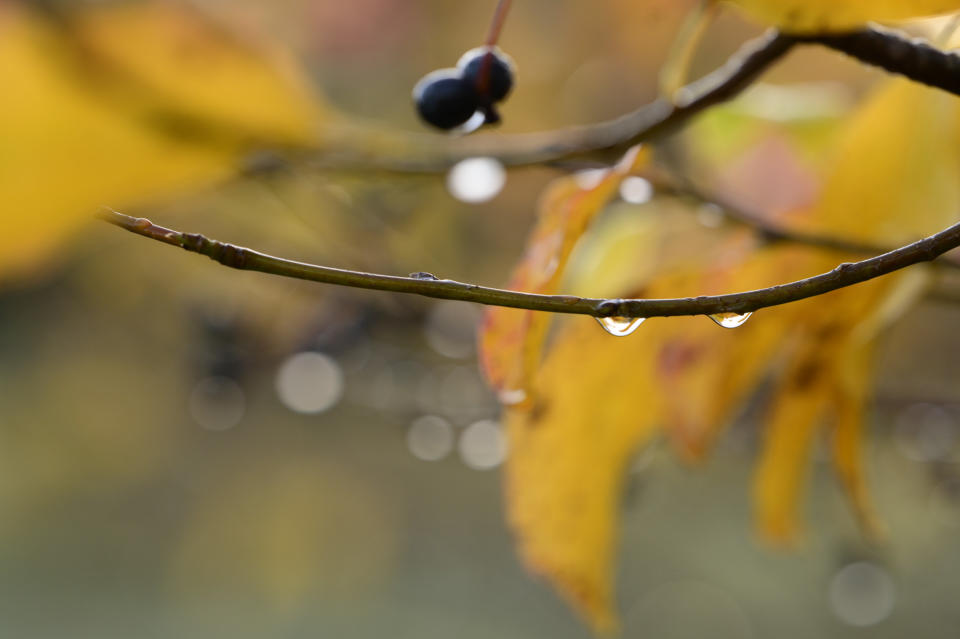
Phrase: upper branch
x=844 y=275
x=894 y=52
x=359 y=147
x=362 y=147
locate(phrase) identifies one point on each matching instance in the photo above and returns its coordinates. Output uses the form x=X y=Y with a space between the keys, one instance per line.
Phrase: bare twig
x=499 y=19
x=683 y=188
x=842 y=276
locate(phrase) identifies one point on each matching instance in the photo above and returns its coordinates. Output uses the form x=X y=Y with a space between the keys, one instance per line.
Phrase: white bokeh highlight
x=217 y=403
x=482 y=445
x=862 y=594
x=430 y=438
x=310 y=383
x=476 y=180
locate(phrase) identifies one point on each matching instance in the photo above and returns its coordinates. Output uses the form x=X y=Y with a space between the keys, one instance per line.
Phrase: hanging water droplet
x=621 y=326
x=731 y=320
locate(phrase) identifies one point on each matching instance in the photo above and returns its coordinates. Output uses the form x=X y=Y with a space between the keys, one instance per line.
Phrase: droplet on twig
x=731 y=320
x=621 y=326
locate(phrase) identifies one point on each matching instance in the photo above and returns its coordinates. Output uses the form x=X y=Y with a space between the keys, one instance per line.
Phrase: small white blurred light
x=451 y=329
x=590 y=178
x=476 y=180
x=217 y=403
x=477 y=120
x=310 y=383
x=482 y=445
x=862 y=594
x=512 y=397
x=430 y=438
x=636 y=190
x=925 y=432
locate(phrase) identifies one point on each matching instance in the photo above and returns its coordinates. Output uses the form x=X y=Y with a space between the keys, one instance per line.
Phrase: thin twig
x=499 y=19
x=683 y=188
x=844 y=275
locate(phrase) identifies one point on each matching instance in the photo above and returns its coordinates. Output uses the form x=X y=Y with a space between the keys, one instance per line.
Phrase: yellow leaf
x=816 y=16
x=894 y=177
x=595 y=401
x=596 y=398
x=569 y=450
x=119 y=105
x=851 y=392
x=511 y=339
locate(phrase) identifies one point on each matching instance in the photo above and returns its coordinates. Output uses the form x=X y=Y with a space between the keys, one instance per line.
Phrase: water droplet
x=621 y=326
x=731 y=320
x=476 y=180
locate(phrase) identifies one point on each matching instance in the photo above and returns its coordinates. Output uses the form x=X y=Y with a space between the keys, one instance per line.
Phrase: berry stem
x=499 y=18
x=496 y=28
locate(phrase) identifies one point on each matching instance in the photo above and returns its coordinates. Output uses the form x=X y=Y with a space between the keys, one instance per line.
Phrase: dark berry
x=444 y=99
x=490 y=71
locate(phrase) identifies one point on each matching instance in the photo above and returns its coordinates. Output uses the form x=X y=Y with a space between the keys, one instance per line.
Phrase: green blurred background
x=189 y=451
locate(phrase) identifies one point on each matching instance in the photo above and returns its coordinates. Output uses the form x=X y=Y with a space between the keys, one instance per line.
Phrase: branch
x=424 y=284
x=359 y=146
x=683 y=188
x=356 y=146
x=894 y=52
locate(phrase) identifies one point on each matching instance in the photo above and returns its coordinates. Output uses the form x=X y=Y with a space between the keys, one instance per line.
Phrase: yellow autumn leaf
x=120 y=104
x=815 y=16
x=511 y=339
x=596 y=398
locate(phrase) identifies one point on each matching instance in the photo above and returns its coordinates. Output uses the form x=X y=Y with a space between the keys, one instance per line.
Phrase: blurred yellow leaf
x=119 y=104
x=568 y=456
x=596 y=398
x=814 y=16
x=511 y=339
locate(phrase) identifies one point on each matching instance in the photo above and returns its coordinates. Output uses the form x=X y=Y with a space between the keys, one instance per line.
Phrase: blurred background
x=189 y=451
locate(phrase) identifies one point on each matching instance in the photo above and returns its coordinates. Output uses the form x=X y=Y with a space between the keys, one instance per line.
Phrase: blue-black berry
x=445 y=99
x=490 y=71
